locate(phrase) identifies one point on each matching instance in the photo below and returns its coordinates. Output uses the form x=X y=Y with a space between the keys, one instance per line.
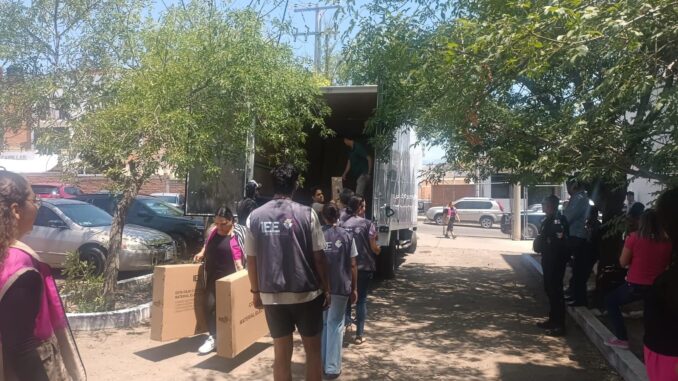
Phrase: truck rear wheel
x=413 y=246
x=388 y=260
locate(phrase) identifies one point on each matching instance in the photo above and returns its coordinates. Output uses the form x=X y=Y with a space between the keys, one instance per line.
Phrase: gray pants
x=362 y=183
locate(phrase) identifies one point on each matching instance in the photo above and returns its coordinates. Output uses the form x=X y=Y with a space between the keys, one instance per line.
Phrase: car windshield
x=45 y=189
x=86 y=215
x=170 y=199
x=73 y=191
x=161 y=207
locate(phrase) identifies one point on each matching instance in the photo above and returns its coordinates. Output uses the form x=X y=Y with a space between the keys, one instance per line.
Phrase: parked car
x=485 y=211
x=175 y=199
x=530 y=231
x=53 y=190
x=63 y=226
x=151 y=212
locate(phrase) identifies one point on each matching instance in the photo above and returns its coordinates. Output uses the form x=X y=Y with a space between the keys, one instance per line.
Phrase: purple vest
x=338 y=253
x=360 y=230
x=282 y=231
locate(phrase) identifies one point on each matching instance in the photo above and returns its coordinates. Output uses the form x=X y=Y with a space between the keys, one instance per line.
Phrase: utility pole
x=318 y=33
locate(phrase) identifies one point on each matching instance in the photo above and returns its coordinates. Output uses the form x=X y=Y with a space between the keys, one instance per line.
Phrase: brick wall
x=19 y=140
x=92 y=184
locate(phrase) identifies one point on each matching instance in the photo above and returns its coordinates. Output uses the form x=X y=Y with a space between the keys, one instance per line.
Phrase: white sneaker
x=208 y=346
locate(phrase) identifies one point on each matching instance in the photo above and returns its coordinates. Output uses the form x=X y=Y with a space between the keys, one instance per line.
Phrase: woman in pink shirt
x=647 y=253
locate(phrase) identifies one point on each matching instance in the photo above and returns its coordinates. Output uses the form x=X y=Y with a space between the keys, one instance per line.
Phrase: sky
x=301 y=22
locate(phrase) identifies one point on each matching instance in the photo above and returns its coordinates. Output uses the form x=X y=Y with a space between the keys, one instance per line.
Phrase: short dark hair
x=630 y=193
x=354 y=204
x=315 y=189
x=330 y=212
x=285 y=178
x=224 y=212
x=552 y=200
x=667 y=210
x=345 y=196
x=636 y=210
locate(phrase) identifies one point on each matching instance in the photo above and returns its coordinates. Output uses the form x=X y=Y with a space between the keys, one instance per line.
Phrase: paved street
x=460 y=309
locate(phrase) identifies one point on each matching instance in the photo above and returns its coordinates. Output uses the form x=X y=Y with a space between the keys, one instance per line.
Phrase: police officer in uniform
x=552 y=245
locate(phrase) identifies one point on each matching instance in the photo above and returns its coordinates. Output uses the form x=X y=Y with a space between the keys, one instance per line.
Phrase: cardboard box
x=337 y=186
x=178 y=302
x=239 y=324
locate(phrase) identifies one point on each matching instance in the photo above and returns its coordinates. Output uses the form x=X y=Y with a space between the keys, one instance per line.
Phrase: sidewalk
x=453 y=313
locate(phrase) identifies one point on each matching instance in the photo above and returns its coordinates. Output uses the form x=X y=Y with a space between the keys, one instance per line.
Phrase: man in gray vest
x=288 y=273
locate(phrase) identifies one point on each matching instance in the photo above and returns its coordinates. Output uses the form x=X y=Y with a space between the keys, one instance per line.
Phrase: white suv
x=483 y=210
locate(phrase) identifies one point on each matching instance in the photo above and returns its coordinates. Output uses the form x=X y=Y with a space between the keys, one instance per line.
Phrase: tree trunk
x=609 y=198
x=115 y=245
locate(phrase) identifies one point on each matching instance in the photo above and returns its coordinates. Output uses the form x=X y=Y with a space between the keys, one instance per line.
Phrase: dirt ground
x=460 y=309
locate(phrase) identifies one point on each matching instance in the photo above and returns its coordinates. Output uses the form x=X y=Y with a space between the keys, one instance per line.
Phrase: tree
x=541 y=90
x=206 y=79
x=56 y=55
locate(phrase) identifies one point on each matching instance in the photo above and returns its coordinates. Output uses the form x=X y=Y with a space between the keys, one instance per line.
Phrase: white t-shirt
x=318 y=243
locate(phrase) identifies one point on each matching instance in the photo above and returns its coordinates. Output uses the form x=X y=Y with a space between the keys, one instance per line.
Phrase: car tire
x=438 y=219
x=181 y=245
x=486 y=222
x=94 y=256
x=531 y=232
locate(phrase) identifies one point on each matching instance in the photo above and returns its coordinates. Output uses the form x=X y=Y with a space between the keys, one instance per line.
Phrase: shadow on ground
x=457 y=323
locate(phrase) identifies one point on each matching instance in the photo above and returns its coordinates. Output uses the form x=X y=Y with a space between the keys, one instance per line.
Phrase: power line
x=319 y=32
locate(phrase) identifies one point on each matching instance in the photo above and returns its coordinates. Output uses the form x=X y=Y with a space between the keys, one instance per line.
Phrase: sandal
x=359 y=340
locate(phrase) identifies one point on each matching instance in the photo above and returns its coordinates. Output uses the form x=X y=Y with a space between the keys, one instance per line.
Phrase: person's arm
x=16 y=328
x=625 y=258
x=354 y=272
x=375 y=247
x=252 y=274
x=319 y=260
x=344 y=176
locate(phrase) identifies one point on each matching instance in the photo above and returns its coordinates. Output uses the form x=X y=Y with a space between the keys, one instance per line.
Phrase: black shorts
x=306 y=317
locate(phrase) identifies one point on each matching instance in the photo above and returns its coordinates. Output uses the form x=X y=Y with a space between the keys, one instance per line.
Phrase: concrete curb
x=623 y=361
x=124 y=318
x=128 y=317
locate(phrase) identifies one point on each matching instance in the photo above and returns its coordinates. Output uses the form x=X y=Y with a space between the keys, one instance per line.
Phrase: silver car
x=483 y=210
x=64 y=226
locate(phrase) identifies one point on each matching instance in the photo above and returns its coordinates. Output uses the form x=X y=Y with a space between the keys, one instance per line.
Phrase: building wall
x=443 y=193
x=17 y=141
x=92 y=184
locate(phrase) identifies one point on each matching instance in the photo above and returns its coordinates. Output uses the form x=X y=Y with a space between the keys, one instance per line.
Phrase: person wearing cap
x=249 y=203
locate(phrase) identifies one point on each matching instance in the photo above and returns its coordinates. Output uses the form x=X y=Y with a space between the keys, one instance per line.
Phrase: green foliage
x=205 y=80
x=62 y=52
x=81 y=288
x=538 y=89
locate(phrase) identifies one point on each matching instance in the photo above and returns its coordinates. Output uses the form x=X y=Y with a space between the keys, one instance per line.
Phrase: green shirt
x=358 y=159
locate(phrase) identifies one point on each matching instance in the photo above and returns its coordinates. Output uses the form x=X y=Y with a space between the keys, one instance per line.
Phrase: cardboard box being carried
x=337 y=186
x=239 y=324
x=178 y=302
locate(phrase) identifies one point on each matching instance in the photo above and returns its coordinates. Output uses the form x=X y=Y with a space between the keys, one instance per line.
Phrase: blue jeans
x=333 y=334
x=624 y=294
x=361 y=305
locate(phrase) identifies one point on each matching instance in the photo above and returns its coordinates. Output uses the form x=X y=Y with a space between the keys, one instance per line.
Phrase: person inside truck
x=288 y=273
x=359 y=165
x=365 y=234
x=223 y=256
